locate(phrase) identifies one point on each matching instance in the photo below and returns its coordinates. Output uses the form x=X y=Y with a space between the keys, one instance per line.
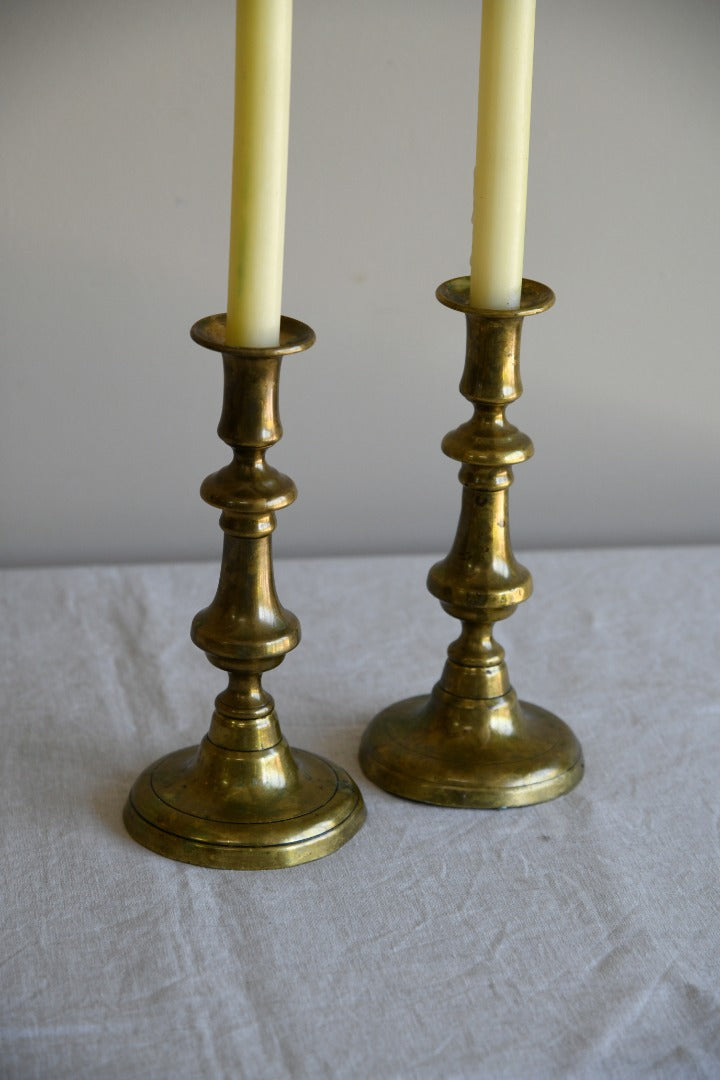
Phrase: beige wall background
x=115 y=136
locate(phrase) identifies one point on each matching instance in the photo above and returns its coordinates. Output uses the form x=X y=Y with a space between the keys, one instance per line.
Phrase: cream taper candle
x=503 y=140
x=259 y=175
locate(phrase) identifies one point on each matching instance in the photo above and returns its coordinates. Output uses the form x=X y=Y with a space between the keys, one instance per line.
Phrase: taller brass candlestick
x=243 y=799
x=471 y=742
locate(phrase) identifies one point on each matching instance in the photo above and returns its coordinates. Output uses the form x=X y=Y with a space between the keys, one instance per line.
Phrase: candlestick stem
x=471 y=742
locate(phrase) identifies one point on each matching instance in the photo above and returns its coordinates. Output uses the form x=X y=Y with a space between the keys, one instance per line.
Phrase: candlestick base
x=471 y=742
x=485 y=754
x=243 y=811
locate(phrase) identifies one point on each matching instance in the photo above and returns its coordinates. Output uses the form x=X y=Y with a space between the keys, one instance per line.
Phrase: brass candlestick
x=243 y=799
x=471 y=742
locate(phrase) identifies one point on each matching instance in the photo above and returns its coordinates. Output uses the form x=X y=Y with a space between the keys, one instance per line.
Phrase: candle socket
x=471 y=742
x=243 y=799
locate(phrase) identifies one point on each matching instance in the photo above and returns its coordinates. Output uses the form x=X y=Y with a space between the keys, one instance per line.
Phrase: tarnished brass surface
x=471 y=742
x=243 y=799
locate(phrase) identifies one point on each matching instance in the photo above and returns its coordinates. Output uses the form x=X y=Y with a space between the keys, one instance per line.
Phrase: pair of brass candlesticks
x=243 y=799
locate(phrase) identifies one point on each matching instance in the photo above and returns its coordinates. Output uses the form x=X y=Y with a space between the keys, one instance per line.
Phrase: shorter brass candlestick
x=471 y=742
x=243 y=799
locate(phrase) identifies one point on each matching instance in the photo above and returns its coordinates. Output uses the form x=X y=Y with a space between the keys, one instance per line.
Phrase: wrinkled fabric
x=579 y=938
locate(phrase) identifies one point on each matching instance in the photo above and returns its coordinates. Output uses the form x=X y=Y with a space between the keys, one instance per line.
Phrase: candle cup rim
x=536 y=297
x=295 y=336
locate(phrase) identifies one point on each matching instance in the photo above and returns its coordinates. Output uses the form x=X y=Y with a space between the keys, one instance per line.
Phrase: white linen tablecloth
x=578 y=938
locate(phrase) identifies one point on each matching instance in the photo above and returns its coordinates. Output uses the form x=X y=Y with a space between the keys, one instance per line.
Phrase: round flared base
x=504 y=753
x=176 y=810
